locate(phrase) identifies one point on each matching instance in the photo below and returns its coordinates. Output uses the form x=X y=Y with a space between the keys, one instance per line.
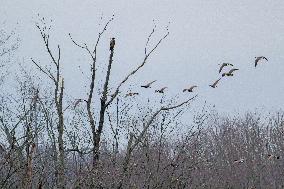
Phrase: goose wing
x=192 y=87
x=162 y=89
x=265 y=58
x=256 y=61
x=222 y=66
x=151 y=83
x=232 y=70
x=216 y=82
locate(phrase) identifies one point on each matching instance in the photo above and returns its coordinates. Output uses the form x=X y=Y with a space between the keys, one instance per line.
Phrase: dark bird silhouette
x=257 y=59
x=214 y=85
x=131 y=94
x=161 y=90
x=112 y=43
x=230 y=73
x=189 y=89
x=224 y=65
x=148 y=85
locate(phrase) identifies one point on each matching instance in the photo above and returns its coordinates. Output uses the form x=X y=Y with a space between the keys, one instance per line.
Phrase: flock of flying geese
x=230 y=73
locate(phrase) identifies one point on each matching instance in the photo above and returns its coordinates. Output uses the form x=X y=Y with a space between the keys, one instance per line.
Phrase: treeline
x=214 y=152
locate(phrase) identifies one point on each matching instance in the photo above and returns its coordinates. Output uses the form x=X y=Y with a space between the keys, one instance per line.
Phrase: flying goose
x=111 y=44
x=189 y=89
x=148 y=85
x=161 y=90
x=257 y=59
x=239 y=161
x=131 y=94
x=79 y=100
x=230 y=73
x=270 y=156
x=224 y=65
x=214 y=85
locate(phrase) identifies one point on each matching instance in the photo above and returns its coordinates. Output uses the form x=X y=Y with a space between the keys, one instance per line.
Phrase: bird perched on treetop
x=161 y=90
x=148 y=85
x=224 y=65
x=257 y=59
x=189 y=89
x=214 y=85
x=230 y=73
x=111 y=44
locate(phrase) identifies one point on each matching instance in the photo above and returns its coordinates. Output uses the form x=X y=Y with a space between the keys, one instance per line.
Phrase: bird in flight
x=112 y=43
x=257 y=59
x=224 y=65
x=239 y=161
x=189 y=89
x=148 y=85
x=161 y=90
x=270 y=156
x=131 y=94
x=230 y=73
x=214 y=85
x=77 y=102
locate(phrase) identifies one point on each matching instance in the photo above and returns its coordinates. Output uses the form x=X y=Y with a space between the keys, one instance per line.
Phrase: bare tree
x=104 y=102
x=58 y=82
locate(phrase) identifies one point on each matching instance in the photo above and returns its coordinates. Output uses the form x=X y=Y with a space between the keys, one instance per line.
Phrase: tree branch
x=113 y=96
x=139 y=138
x=44 y=71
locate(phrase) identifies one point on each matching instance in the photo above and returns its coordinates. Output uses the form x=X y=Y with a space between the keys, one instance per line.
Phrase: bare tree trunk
x=99 y=131
x=30 y=167
x=96 y=133
x=61 y=163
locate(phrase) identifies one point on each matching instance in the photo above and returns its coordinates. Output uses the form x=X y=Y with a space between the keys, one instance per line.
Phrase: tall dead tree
x=58 y=82
x=104 y=102
x=93 y=55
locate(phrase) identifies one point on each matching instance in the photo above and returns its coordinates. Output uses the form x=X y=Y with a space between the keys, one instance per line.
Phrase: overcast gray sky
x=203 y=33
